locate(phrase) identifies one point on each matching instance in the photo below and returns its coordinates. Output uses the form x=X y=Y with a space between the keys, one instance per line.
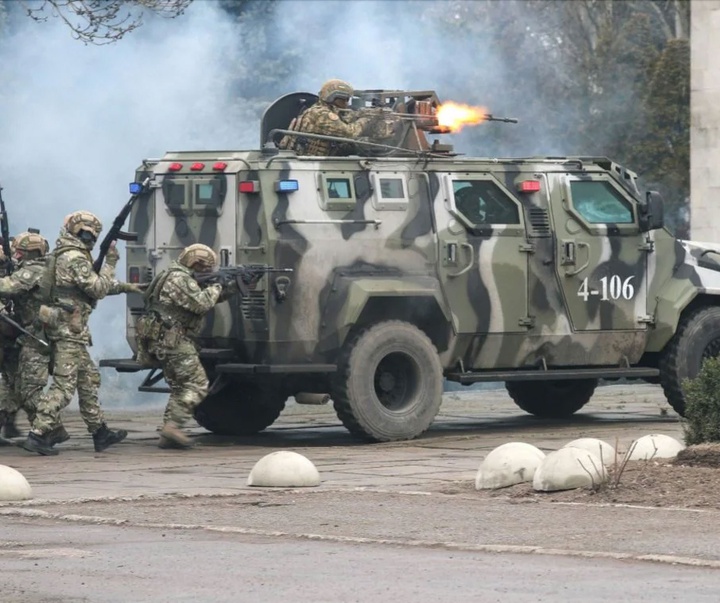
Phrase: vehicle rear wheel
x=389 y=384
x=697 y=338
x=552 y=399
x=240 y=409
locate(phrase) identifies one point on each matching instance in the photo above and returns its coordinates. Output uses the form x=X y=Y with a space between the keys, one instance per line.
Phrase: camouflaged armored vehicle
x=412 y=264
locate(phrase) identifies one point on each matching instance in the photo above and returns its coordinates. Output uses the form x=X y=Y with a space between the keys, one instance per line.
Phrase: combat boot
x=104 y=438
x=173 y=437
x=58 y=435
x=10 y=430
x=3 y=420
x=39 y=444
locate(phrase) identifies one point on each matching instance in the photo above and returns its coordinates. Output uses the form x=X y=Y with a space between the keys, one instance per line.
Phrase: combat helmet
x=200 y=255
x=30 y=241
x=80 y=221
x=333 y=90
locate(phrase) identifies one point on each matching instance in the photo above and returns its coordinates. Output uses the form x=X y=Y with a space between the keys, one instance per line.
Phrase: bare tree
x=102 y=21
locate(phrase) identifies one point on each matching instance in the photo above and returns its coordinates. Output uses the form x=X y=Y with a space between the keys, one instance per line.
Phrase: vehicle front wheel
x=552 y=399
x=240 y=409
x=697 y=338
x=389 y=384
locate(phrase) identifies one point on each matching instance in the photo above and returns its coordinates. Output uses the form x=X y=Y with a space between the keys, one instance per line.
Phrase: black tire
x=552 y=399
x=696 y=338
x=240 y=409
x=389 y=384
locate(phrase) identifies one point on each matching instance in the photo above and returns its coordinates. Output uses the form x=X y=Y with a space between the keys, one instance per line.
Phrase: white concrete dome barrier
x=284 y=469
x=654 y=446
x=567 y=469
x=13 y=485
x=599 y=448
x=507 y=465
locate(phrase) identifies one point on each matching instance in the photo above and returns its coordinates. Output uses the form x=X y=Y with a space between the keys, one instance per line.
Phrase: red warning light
x=529 y=186
x=249 y=186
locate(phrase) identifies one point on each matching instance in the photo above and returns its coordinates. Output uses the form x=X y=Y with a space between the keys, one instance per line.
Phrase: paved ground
x=141 y=524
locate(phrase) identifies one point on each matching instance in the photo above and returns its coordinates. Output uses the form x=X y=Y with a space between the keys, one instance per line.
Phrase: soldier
x=24 y=287
x=73 y=289
x=8 y=368
x=331 y=117
x=176 y=306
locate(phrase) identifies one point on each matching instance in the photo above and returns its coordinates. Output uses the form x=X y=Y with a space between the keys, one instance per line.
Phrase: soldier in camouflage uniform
x=9 y=401
x=176 y=306
x=73 y=290
x=24 y=287
x=329 y=116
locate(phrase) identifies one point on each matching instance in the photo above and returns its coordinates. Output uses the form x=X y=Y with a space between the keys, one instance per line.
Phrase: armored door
x=482 y=264
x=601 y=255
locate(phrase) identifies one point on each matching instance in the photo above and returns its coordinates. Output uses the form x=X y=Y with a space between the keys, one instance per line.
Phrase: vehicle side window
x=391 y=192
x=483 y=202
x=336 y=191
x=392 y=188
x=599 y=203
x=338 y=188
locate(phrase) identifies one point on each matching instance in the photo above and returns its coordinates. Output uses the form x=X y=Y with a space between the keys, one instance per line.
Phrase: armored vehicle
x=411 y=264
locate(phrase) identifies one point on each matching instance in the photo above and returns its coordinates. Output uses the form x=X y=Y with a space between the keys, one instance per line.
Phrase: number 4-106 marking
x=611 y=288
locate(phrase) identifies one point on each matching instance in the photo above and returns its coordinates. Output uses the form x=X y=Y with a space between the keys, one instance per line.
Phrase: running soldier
x=73 y=290
x=176 y=306
x=24 y=288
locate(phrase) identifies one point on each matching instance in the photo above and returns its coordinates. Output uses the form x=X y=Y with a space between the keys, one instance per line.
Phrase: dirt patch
x=694 y=483
x=702 y=455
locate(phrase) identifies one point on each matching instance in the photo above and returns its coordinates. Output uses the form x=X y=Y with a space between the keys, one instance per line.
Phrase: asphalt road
x=389 y=521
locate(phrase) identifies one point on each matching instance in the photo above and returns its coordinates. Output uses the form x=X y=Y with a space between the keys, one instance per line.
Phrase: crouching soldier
x=73 y=290
x=176 y=305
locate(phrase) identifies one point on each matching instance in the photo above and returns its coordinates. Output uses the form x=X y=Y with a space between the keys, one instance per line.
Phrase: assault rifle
x=6 y=318
x=243 y=275
x=137 y=190
x=5 y=233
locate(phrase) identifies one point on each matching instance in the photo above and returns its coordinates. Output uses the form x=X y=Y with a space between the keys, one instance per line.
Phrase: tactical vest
x=168 y=312
x=48 y=284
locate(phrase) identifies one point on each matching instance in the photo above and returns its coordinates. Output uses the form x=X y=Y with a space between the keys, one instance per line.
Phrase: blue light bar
x=136 y=188
x=286 y=186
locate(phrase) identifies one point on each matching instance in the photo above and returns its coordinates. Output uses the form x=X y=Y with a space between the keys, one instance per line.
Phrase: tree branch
x=102 y=21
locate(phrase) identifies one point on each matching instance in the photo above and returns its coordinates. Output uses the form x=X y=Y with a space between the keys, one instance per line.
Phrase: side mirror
x=651 y=212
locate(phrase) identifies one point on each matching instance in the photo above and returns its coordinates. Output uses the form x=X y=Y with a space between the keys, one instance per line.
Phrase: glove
x=248 y=277
x=134 y=287
x=112 y=255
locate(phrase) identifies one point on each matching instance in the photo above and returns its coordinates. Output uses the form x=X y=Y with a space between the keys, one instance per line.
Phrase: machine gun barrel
x=507 y=120
x=432 y=118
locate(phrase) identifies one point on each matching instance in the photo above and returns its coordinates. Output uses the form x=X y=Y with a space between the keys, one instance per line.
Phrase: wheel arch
x=416 y=301
x=670 y=310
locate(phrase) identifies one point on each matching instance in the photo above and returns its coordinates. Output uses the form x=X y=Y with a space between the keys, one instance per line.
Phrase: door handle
x=579 y=245
x=568 y=253
x=471 y=253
